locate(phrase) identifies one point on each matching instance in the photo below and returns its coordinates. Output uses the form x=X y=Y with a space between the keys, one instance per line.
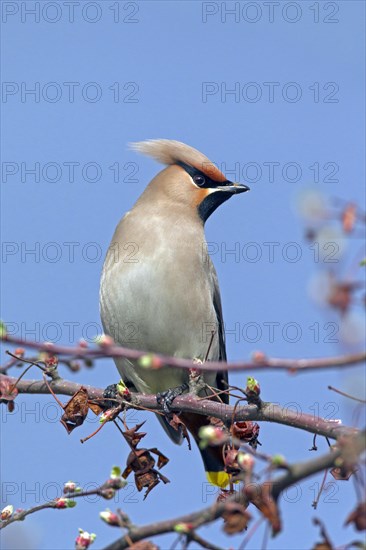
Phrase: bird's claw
x=166 y=398
x=110 y=395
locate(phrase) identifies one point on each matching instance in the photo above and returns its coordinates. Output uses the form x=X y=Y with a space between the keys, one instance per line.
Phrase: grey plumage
x=159 y=289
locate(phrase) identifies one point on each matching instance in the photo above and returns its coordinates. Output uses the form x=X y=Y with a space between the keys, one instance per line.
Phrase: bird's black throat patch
x=211 y=202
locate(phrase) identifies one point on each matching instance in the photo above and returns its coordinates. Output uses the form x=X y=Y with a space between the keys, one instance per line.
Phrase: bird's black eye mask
x=213 y=200
x=200 y=178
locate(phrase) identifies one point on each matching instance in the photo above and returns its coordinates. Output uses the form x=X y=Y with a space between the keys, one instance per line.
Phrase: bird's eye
x=199 y=180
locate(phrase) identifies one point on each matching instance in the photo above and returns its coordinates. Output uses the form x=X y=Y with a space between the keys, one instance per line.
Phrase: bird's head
x=190 y=178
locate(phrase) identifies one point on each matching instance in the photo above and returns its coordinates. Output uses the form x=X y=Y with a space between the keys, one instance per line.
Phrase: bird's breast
x=162 y=301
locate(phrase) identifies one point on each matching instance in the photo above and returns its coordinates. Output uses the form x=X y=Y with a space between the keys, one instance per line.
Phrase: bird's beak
x=233 y=188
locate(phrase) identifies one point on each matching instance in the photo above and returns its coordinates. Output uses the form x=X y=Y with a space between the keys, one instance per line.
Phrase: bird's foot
x=110 y=395
x=166 y=398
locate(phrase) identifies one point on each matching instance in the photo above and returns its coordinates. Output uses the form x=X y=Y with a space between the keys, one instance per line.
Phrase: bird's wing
x=221 y=376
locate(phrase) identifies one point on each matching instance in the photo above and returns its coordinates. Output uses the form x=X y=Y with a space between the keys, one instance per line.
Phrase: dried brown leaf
x=142 y=464
x=178 y=425
x=358 y=517
x=7 y=390
x=236 y=518
x=139 y=461
x=147 y=479
x=162 y=459
x=95 y=408
x=75 y=410
x=246 y=431
x=133 y=436
x=261 y=497
x=342 y=474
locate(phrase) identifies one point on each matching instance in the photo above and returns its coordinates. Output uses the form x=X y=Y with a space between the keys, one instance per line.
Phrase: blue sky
x=256 y=91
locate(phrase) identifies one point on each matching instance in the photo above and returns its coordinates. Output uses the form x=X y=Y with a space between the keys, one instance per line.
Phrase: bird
x=159 y=289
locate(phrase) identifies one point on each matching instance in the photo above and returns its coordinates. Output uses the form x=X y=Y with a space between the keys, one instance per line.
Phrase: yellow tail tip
x=220 y=479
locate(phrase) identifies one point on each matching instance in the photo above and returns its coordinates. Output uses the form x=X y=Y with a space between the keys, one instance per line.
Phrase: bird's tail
x=212 y=456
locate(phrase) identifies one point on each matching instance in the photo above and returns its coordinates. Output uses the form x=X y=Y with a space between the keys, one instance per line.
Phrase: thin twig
x=251 y=533
x=347 y=395
x=264 y=363
x=204 y=543
x=316 y=501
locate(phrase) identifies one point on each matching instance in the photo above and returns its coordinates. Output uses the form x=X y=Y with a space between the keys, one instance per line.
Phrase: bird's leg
x=196 y=381
x=166 y=398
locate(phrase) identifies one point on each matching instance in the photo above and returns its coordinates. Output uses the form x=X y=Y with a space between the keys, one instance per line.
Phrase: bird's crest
x=169 y=151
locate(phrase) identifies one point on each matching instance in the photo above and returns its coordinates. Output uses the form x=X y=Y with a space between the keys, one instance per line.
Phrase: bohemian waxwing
x=159 y=289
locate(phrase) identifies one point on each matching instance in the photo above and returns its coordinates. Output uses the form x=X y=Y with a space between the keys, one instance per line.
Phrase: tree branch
x=260 y=362
x=297 y=472
x=268 y=412
x=352 y=444
x=67 y=500
x=194 y=520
